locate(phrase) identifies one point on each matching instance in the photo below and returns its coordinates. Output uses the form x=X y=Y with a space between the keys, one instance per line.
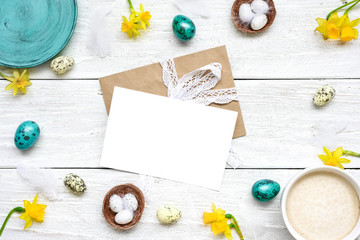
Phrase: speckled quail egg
x=62 y=64
x=130 y=201
x=258 y=22
x=116 y=203
x=124 y=217
x=324 y=95
x=259 y=6
x=168 y=214
x=74 y=183
x=245 y=13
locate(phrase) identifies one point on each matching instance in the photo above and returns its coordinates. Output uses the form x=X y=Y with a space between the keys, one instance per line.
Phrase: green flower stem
x=235 y=225
x=131 y=6
x=4 y=76
x=351 y=153
x=17 y=209
x=349 y=3
x=348 y=10
x=1 y=74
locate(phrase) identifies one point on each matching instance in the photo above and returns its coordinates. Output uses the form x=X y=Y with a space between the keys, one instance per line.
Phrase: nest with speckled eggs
x=245 y=27
x=121 y=190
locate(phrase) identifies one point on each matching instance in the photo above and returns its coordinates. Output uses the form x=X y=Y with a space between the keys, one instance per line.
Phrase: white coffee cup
x=355 y=232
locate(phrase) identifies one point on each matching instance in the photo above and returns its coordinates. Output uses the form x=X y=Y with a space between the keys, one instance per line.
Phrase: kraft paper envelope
x=149 y=79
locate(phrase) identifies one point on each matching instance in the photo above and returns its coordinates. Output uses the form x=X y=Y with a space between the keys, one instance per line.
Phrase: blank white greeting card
x=168 y=138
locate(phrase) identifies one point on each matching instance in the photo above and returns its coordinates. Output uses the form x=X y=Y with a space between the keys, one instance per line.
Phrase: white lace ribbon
x=196 y=87
x=233 y=160
x=145 y=184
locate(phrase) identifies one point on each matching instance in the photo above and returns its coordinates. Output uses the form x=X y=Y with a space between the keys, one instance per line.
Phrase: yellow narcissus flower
x=221 y=227
x=33 y=212
x=30 y=212
x=18 y=82
x=130 y=27
x=334 y=159
x=218 y=220
x=144 y=17
x=329 y=28
x=334 y=27
x=137 y=20
x=227 y=233
x=218 y=214
x=348 y=32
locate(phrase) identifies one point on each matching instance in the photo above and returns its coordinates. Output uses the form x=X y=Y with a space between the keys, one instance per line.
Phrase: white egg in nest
x=245 y=13
x=130 y=201
x=116 y=203
x=259 y=6
x=124 y=217
x=259 y=21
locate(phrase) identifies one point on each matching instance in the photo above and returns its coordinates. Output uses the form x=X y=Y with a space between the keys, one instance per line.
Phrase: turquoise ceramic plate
x=34 y=31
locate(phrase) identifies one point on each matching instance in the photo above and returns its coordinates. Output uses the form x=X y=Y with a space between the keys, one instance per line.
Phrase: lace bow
x=196 y=86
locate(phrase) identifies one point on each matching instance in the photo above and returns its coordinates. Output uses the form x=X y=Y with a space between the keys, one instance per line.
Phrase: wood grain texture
x=288 y=48
x=80 y=217
x=284 y=129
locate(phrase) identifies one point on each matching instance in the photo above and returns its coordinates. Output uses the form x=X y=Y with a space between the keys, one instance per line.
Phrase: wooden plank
x=289 y=48
x=80 y=217
x=284 y=129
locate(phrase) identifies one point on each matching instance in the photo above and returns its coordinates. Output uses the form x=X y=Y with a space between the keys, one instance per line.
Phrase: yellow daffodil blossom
x=18 y=82
x=329 y=28
x=222 y=227
x=348 y=32
x=218 y=214
x=334 y=159
x=334 y=27
x=144 y=17
x=218 y=220
x=130 y=27
x=31 y=212
x=227 y=233
x=137 y=20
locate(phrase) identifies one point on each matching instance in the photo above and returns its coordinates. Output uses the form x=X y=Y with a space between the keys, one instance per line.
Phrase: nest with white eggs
x=256 y=18
x=121 y=191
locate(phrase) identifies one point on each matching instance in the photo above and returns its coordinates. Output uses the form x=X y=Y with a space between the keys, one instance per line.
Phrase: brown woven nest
x=245 y=27
x=121 y=190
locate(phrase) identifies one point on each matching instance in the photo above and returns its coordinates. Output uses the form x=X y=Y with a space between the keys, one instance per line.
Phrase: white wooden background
x=277 y=71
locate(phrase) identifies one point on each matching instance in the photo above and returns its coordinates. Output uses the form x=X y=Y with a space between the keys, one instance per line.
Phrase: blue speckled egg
x=26 y=135
x=183 y=28
x=265 y=190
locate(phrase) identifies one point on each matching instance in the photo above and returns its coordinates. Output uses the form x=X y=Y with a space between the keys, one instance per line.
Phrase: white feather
x=41 y=179
x=99 y=38
x=193 y=7
x=329 y=133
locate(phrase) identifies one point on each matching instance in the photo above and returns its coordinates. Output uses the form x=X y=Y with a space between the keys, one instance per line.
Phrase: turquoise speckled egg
x=183 y=27
x=265 y=190
x=26 y=135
